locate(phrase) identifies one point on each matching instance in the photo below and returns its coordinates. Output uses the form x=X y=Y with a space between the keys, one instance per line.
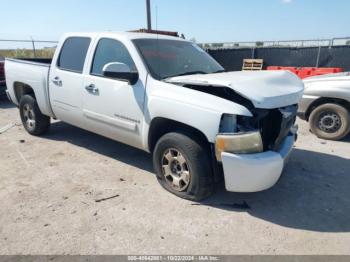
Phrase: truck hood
x=265 y=89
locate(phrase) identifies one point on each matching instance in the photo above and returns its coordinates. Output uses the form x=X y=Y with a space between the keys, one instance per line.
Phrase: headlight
x=228 y=124
x=240 y=143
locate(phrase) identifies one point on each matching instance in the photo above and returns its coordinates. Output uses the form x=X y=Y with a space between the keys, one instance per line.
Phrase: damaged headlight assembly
x=237 y=139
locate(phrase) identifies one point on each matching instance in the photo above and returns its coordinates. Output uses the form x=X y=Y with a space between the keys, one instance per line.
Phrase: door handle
x=57 y=81
x=92 y=89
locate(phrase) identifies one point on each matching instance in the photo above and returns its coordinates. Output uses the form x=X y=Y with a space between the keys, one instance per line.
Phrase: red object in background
x=304 y=72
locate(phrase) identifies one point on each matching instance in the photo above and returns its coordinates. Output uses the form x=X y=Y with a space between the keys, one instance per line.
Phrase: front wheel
x=183 y=166
x=32 y=119
x=330 y=121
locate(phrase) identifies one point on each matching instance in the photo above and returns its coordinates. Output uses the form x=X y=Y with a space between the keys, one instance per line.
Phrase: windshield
x=168 y=58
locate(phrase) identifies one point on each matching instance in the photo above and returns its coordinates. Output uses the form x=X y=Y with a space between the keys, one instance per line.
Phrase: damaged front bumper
x=256 y=172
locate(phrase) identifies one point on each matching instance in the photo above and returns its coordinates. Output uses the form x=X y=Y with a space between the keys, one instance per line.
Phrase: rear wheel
x=183 y=166
x=330 y=121
x=32 y=119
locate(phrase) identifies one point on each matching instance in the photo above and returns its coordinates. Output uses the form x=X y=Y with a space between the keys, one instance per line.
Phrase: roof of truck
x=127 y=35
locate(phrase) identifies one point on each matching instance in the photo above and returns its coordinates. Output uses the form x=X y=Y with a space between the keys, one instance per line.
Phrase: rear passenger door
x=66 y=80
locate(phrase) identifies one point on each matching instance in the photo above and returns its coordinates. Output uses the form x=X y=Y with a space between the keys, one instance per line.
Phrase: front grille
x=289 y=115
x=273 y=124
x=270 y=127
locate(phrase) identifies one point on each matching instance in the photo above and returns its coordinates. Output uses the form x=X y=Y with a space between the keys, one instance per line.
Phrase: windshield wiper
x=186 y=73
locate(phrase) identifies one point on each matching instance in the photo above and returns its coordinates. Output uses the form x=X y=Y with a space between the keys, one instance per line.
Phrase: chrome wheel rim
x=175 y=169
x=329 y=122
x=29 y=116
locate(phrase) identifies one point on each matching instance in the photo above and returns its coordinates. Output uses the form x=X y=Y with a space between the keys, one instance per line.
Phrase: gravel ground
x=49 y=187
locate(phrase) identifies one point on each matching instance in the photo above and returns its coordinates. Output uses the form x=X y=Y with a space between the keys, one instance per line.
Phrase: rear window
x=73 y=54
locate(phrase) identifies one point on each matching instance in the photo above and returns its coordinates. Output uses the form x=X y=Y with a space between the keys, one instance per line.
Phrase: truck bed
x=37 y=60
x=31 y=72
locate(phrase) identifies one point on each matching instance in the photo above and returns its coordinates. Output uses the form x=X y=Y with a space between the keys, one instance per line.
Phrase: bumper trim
x=255 y=172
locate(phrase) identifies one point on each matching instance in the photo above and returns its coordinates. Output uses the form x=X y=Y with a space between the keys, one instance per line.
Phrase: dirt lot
x=49 y=187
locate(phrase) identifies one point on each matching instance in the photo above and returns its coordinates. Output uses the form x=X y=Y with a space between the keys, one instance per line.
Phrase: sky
x=204 y=20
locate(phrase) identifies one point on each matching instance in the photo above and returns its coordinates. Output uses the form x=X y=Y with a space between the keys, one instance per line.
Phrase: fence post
x=33 y=43
x=318 y=54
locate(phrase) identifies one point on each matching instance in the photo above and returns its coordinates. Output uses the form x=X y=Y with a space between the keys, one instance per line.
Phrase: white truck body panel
x=124 y=119
x=200 y=110
x=125 y=112
x=33 y=74
x=255 y=172
x=324 y=86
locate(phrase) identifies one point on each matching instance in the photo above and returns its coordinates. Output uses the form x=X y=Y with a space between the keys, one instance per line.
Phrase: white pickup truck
x=167 y=96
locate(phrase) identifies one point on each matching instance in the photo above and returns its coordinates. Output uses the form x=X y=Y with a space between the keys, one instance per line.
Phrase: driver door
x=113 y=108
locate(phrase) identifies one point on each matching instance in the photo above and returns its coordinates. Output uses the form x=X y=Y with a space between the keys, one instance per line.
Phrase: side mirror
x=120 y=71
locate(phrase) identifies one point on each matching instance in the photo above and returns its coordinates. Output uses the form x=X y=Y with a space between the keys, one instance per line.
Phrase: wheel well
x=160 y=126
x=22 y=89
x=325 y=100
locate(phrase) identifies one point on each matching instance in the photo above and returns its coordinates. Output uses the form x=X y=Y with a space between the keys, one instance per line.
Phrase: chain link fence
x=297 y=53
x=27 y=48
x=336 y=56
x=340 y=41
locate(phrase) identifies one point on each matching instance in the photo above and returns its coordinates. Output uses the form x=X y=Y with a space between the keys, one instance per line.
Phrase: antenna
x=149 y=19
x=157 y=18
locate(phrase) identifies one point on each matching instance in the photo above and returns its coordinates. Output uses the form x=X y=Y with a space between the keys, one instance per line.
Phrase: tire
x=32 y=119
x=196 y=169
x=330 y=121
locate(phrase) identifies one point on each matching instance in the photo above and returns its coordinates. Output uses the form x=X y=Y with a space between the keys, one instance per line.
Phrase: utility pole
x=149 y=20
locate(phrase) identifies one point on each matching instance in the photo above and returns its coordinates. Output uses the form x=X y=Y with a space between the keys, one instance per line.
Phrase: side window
x=107 y=51
x=73 y=54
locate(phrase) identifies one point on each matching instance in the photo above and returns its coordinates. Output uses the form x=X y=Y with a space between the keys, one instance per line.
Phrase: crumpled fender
x=197 y=109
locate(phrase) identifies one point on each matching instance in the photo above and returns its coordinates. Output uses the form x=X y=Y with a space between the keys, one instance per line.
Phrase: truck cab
x=167 y=96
